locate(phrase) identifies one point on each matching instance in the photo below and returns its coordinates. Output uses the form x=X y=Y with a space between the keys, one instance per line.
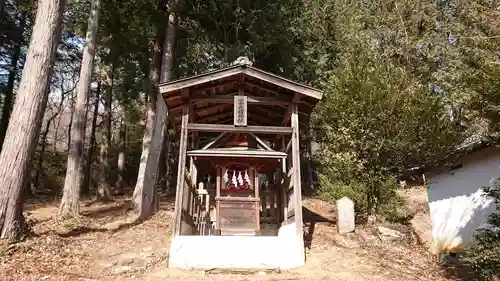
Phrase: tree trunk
x=71 y=193
x=144 y=197
x=56 y=134
x=168 y=51
x=29 y=107
x=70 y=125
x=163 y=164
x=86 y=182
x=103 y=190
x=166 y=75
x=120 y=183
x=9 y=93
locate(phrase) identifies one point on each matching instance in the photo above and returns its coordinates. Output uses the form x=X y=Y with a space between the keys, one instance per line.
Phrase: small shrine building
x=239 y=201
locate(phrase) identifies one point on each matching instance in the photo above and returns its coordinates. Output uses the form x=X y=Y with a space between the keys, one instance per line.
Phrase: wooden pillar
x=181 y=171
x=281 y=191
x=296 y=175
x=193 y=145
x=218 y=183
x=284 y=185
x=257 y=196
x=193 y=173
x=194 y=169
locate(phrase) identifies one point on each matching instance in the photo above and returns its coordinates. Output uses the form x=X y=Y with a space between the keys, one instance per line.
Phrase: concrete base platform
x=284 y=251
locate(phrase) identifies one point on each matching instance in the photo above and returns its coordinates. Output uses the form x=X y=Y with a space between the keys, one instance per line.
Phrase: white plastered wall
x=206 y=252
x=457 y=203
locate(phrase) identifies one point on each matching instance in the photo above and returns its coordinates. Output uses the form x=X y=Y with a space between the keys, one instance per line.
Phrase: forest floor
x=105 y=244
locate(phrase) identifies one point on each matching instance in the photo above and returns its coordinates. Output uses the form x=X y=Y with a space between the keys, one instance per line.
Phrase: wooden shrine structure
x=238 y=183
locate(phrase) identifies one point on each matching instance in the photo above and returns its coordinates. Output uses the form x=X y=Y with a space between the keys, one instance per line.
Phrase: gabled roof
x=269 y=96
x=172 y=86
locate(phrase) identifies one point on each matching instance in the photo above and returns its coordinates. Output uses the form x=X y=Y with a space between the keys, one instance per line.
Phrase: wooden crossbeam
x=250 y=100
x=289 y=145
x=210 y=89
x=234 y=129
x=261 y=142
x=215 y=140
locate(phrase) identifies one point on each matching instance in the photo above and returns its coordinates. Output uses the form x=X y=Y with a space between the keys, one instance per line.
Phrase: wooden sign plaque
x=240 y=111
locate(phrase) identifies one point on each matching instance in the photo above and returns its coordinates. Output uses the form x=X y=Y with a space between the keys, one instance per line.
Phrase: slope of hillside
x=105 y=244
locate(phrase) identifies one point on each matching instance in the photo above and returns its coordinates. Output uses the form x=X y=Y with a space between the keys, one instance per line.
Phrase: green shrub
x=378 y=195
x=332 y=191
x=376 y=120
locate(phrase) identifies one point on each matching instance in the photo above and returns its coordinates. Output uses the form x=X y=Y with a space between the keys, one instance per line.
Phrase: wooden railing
x=276 y=205
x=288 y=204
x=201 y=202
x=187 y=219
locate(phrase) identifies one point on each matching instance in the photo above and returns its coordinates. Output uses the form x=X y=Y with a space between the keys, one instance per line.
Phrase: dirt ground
x=105 y=244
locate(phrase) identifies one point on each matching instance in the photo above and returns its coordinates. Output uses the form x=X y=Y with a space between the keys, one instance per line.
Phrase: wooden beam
x=177 y=108
x=223 y=119
x=172 y=87
x=283 y=189
x=193 y=170
x=289 y=145
x=233 y=129
x=216 y=118
x=288 y=115
x=217 y=194
x=170 y=98
x=297 y=190
x=237 y=153
x=219 y=98
x=263 y=88
x=250 y=100
x=214 y=141
x=238 y=199
x=209 y=89
x=241 y=81
x=185 y=95
x=181 y=172
x=212 y=107
x=228 y=120
x=283 y=83
x=257 y=195
x=261 y=142
x=197 y=80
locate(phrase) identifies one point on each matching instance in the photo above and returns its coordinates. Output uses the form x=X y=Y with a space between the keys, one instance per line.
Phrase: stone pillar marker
x=345 y=215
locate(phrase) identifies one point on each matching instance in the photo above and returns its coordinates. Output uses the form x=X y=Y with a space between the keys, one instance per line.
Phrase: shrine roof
x=211 y=96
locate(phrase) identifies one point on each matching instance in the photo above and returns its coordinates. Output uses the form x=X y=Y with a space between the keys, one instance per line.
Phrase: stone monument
x=345 y=215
